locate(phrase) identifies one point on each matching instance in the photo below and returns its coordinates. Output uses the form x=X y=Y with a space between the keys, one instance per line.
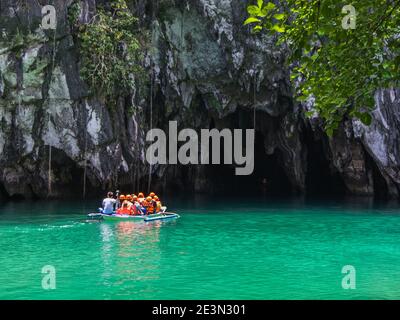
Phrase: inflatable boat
x=145 y=218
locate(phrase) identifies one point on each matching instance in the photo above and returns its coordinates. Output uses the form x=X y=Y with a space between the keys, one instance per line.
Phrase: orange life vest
x=124 y=210
x=149 y=206
x=158 y=207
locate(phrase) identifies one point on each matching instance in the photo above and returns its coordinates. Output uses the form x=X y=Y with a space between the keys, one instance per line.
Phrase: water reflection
x=130 y=253
x=106 y=253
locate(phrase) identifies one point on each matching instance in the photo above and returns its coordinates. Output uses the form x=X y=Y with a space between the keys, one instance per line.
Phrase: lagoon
x=226 y=249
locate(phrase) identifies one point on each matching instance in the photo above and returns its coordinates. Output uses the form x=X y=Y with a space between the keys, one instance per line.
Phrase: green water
x=226 y=250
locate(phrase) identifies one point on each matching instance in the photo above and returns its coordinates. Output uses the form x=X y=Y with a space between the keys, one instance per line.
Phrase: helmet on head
x=122 y=197
x=156 y=198
x=129 y=197
x=149 y=199
x=134 y=195
x=141 y=195
x=152 y=194
x=134 y=198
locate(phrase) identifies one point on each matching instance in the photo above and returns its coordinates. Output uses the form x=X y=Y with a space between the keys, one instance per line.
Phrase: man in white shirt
x=109 y=203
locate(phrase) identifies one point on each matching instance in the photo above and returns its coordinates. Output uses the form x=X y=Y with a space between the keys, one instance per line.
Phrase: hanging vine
x=111 y=49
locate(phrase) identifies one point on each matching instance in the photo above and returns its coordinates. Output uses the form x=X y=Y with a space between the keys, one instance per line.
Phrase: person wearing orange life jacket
x=153 y=202
x=124 y=209
x=136 y=206
x=140 y=197
x=158 y=204
x=129 y=200
x=121 y=198
x=148 y=204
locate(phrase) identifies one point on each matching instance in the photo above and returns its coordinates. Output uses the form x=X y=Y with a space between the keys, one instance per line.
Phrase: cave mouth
x=381 y=190
x=268 y=177
x=320 y=180
x=69 y=178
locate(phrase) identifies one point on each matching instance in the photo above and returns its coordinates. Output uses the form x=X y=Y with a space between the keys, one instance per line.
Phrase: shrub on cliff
x=111 y=50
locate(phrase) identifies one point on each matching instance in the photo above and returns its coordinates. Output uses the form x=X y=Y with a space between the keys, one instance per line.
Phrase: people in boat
x=132 y=204
x=108 y=203
x=148 y=205
x=129 y=200
x=136 y=209
x=140 y=209
x=125 y=209
x=152 y=202
x=121 y=199
x=158 y=204
x=141 y=197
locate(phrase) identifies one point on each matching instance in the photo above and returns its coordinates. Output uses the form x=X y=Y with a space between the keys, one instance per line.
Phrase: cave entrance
x=68 y=177
x=268 y=177
x=381 y=190
x=320 y=180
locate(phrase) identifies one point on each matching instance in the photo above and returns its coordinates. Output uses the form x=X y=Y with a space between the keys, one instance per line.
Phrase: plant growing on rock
x=111 y=51
x=339 y=57
x=20 y=41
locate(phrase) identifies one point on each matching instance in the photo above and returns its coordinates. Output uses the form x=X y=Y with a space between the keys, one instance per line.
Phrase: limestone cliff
x=208 y=72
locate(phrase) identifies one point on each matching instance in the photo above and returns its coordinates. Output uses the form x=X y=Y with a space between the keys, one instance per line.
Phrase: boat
x=145 y=218
x=161 y=216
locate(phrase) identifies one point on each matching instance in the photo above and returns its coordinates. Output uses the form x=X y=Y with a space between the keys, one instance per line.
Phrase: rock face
x=209 y=72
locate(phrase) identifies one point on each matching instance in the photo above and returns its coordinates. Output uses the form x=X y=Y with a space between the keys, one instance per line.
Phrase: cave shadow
x=268 y=178
x=321 y=180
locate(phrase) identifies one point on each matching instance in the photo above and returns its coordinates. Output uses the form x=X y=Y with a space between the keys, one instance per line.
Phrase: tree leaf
x=279 y=16
x=278 y=28
x=251 y=20
x=365 y=118
x=269 y=6
x=302 y=98
x=329 y=132
x=253 y=10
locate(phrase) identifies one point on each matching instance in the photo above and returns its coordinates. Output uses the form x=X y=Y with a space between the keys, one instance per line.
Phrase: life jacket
x=135 y=208
x=151 y=207
x=126 y=211
x=158 y=206
x=126 y=208
x=130 y=205
x=148 y=206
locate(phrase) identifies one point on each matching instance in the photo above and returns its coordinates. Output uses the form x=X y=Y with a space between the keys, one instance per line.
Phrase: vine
x=111 y=50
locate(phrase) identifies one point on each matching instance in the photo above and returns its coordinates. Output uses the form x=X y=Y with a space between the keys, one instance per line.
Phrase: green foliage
x=74 y=11
x=341 y=68
x=111 y=51
x=22 y=40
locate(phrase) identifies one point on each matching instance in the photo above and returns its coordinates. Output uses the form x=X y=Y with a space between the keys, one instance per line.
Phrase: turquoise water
x=227 y=250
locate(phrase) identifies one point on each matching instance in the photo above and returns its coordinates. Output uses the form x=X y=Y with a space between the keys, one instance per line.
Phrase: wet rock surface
x=209 y=72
